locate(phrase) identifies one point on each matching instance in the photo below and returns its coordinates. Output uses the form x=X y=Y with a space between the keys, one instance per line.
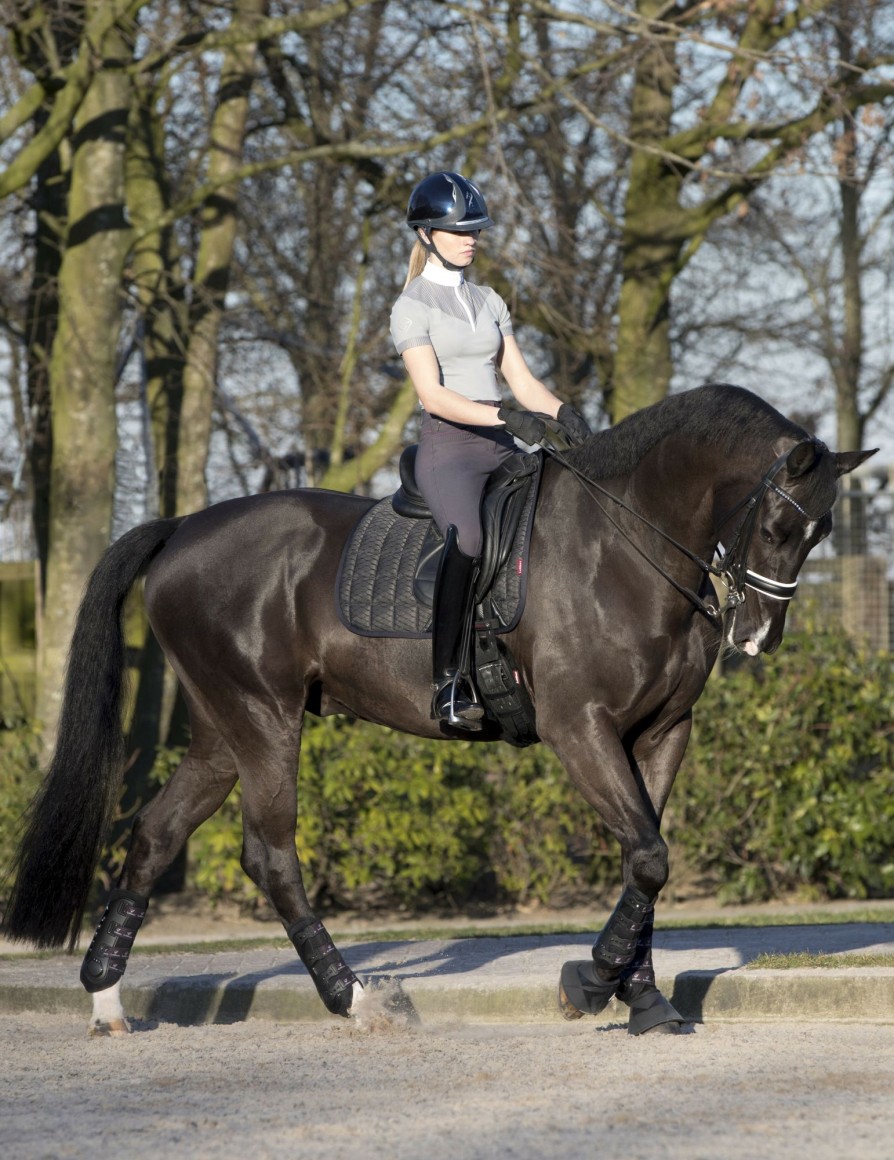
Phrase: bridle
x=732 y=566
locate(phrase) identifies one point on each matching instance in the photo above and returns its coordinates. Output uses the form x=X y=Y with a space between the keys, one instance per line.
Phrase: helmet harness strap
x=428 y=244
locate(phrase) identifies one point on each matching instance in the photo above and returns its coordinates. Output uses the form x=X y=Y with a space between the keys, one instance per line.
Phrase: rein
x=732 y=568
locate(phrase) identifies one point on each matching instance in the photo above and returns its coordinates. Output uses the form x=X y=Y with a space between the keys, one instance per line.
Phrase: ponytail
x=418 y=258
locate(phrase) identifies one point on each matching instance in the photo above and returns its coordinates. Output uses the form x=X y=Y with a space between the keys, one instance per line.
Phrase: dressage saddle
x=502 y=505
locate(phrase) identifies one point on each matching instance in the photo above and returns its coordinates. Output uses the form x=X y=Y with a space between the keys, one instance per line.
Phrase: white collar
x=440 y=274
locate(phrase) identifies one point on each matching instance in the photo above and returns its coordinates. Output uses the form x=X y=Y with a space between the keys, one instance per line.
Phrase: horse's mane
x=717 y=415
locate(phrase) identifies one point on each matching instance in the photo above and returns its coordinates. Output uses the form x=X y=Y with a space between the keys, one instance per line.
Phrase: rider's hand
x=525 y=425
x=574 y=424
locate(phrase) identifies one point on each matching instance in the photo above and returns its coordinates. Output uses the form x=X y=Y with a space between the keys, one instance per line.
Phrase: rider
x=452 y=335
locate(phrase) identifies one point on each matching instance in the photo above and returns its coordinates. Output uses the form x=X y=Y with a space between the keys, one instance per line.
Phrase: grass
x=788 y=962
x=424 y=933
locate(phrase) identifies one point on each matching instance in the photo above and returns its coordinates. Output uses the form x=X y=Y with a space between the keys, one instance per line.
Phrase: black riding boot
x=454 y=700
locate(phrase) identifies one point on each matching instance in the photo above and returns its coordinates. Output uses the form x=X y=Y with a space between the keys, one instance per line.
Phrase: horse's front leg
x=656 y=758
x=621 y=962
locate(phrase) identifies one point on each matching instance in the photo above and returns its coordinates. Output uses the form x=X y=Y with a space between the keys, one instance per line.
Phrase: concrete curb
x=510 y=979
x=699 y=996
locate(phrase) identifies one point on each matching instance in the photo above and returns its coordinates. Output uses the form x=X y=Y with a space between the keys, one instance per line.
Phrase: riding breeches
x=452 y=466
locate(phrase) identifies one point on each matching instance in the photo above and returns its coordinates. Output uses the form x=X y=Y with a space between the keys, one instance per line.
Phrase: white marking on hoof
x=358 y=998
x=108 y=1018
x=117 y=1029
x=383 y=1006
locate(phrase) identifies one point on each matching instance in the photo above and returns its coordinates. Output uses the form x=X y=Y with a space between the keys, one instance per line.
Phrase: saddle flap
x=427 y=569
x=501 y=509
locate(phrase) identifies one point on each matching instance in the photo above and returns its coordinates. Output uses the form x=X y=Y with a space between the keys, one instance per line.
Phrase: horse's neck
x=675 y=487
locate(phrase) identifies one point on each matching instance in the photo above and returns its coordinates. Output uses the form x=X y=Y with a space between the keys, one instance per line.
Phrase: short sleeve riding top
x=465 y=325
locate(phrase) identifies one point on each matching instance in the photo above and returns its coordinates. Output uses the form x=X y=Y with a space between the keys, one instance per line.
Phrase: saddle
x=386 y=578
x=502 y=507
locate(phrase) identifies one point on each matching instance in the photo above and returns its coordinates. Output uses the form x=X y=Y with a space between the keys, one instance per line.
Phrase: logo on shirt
x=406 y=322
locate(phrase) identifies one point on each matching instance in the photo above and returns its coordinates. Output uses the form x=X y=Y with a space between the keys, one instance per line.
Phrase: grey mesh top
x=464 y=324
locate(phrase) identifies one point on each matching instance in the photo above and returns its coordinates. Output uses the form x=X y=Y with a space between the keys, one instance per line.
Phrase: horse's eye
x=766 y=535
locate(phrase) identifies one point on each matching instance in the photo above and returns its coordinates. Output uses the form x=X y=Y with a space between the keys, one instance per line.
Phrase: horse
x=620 y=629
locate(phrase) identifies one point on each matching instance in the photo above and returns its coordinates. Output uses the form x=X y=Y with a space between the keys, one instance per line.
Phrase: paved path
x=704 y=972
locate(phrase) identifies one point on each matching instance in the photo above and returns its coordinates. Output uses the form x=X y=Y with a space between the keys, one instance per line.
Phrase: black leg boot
x=454 y=700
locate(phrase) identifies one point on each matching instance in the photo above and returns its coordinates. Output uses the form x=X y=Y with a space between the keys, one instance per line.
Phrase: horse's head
x=778 y=523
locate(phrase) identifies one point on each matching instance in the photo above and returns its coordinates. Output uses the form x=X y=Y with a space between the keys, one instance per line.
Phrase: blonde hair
x=418 y=258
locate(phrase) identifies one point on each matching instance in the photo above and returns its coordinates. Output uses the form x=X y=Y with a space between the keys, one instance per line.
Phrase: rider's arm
x=422 y=366
x=527 y=389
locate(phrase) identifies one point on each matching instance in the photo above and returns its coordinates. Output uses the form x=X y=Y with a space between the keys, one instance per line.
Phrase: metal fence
x=849 y=578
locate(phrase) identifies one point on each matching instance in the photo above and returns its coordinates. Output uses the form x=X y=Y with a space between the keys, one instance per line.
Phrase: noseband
x=732 y=567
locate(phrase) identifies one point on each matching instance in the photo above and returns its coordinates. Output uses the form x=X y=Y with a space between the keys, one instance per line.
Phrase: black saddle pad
x=375 y=592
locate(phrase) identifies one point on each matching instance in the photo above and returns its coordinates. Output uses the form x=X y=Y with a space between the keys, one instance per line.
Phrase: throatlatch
x=332 y=976
x=106 y=957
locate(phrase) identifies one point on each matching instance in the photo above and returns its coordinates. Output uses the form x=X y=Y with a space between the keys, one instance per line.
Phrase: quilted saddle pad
x=375 y=592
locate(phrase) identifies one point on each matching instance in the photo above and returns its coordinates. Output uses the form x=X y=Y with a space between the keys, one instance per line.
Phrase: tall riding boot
x=454 y=700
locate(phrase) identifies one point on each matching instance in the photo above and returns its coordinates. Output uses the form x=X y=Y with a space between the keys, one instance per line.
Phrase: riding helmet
x=447 y=201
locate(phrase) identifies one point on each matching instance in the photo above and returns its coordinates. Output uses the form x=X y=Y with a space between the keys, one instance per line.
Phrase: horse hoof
x=566 y=1008
x=670 y=1028
x=383 y=1004
x=582 y=991
x=650 y=1011
x=108 y=1029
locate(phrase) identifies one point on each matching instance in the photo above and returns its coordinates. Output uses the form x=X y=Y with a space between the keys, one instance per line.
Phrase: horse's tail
x=66 y=823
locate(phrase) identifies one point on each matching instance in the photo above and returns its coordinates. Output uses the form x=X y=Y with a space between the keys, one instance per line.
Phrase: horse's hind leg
x=198 y=787
x=269 y=857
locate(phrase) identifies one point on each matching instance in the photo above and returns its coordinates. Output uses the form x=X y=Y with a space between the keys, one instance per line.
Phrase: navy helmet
x=447 y=201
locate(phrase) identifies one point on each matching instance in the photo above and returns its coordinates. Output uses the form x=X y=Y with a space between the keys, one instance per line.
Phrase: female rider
x=452 y=335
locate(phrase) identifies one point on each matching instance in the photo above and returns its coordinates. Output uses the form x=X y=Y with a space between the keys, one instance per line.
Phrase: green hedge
x=787 y=786
x=19 y=780
x=388 y=819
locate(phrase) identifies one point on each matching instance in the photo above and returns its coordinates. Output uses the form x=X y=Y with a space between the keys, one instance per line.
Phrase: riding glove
x=524 y=425
x=575 y=425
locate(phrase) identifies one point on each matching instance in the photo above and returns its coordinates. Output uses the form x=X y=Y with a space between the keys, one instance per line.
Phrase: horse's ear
x=802 y=457
x=846 y=461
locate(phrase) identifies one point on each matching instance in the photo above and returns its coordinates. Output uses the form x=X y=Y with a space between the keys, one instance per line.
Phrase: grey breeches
x=452 y=466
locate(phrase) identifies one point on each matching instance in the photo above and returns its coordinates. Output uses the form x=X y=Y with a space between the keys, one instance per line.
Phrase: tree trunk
x=651 y=240
x=83 y=367
x=50 y=197
x=154 y=269
x=219 y=224
x=851 y=527
x=850 y=363
x=159 y=290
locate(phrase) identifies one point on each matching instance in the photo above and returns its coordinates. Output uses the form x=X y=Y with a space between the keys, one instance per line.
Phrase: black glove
x=574 y=424
x=525 y=425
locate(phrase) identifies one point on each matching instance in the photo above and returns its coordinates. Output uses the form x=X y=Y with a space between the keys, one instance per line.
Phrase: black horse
x=619 y=633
